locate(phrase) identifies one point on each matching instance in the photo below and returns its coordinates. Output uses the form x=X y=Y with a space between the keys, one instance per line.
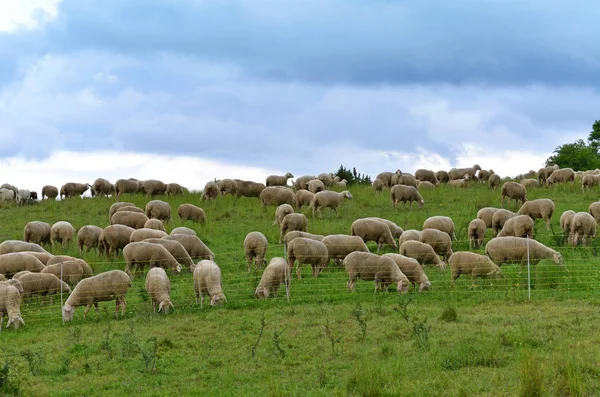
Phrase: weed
x=332 y=340
x=7 y=385
x=277 y=341
x=35 y=359
x=358 y=314
x=106 y=342
x=532 y=378
x=263 y=324
x=449 y=315
x=420 y=332
x=402 y=308
x=149 y=355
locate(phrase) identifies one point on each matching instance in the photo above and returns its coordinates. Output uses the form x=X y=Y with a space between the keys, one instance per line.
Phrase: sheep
x=276 y=273
x=37 y=232
x=114 y=238
x=86 y=270
x=409 y=235
x=422 y=252
x=530 y=183
x=127 y=186
x=328 y=199
x=184 y=230
x=153 y=187
x=69 y=271
x=514 y=249
x=155 y=224
x=484 y=175
x=589 y=181
x=544 y=173
x=44 y=257
x=315 y=186
x=339 y=184
x=326 y=178
x=378 y=185
x=381 y=269
x=8 y=246
x=565 y=222
x=340 y=245
x=10 y=303
x=407 y=180
x=394 y=229
x=176 y=249
x=72 y=189
x=538 y=208
x=107 y=286
x=211 y=191
x=174 y=189
x=88 y=237
x=582 y=225
x=139 y=254
x=158 y=209
x=132 y=209
x=386 y=177
x=459 y=173
x=15 y=262
x=373 y=230
x=594 y=210
x=499 y=219
x=424 y=175
x=426 y=185
x=486 y=214
x=278 y=180
x=296 y=233
x=227 y=186
x=301 y=183
x=442 y=223
x=207 y=281
x=471 y=263
x=101 y=187
x=63 y=232
x=50 y=192
x=277 y=195
x=132 y=219
x=442 y=176
x=24 y=197
x=518 y=226
x=494 y=181
x=116 y=206
x=44 y=284
x=438 y=240
x=190 y=212
x=193 y=245
x=403 y=193
x=142 y=234
x=307 y=251
x=255 y=247
x=291 y=222
x=412 y=270
x=464 y=182
x=6 y=195
x=10 y=187
x=249 y=189
x=562 y=175
x=158 y=287
x=476 y=232
x=303 y=197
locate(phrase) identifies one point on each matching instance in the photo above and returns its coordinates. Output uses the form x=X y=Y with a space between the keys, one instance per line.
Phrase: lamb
x=307 y=251
x=442 y=176
x=37 y=232
x=211 y=191
x=394 y=229
x=142 y=234
x=176 y=249
x=207 y=281
x=116 y=206
x=565 y=222
x=517 y=226
x=422 y=252
x=499 y=219
x=303 y=197
x=277 y=195
x=412 y=270
x=17 y=261
x=377 y=186
x=158 y=209
x=72 y=189
x=486 y=214
x=153 y=187
x=386 y=177
x=6 y=195
x=276 y=273
x=403 y=193
x=101 y=187
x=158 y=287
x=442 y=223
x=494 y=181
x=476 y=233
x=438 y=240
x=10 y=303
x=278 y=180
x=107 y=286
x=424 y=175
x=583 y=225
x=409 y=235
x=381 y=269
x=513 y=191
x=193 y=245
x=8 y=246
x=69 y=271
x=44 y=284
x=62 y=232
x=184 y=230
x=249 y=189
x=255 y=247
x=190 y=212
x=315 y=186
x=50 y=192
x=281 y=212
x=292 y=222
x=132 y=219
x=139 y=254
x=114 y=238
x=514 y=249
x=539 y=208
x=373 y=230
x=155 y=224
x=530 y=183
x=296 y=233
x=127 y=186
x=85 y=267
x=459 y=173
x=326 y=178
x=174 y=189
x=594 y=210
x=474 y=264
x=24 y=197
x=562 y=175
x=88 y=237
x=340 y=245
x=302 y=182
x=227 y=186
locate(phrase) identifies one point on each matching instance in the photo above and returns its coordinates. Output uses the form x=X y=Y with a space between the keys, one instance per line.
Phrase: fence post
x=285 y=273
x=528 y=271
x=61 y=291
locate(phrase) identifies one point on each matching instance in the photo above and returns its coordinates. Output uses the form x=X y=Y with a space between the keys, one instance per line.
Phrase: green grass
x=490 y=340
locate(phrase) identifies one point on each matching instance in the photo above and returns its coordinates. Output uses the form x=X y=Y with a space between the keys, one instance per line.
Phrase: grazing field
x=487 y=340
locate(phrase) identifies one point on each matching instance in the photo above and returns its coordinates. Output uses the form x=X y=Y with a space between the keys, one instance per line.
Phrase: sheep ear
x=421 y=287
x=171 y=304
x=160 y=306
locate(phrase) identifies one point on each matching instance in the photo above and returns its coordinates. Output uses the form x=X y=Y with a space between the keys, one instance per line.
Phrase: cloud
x=26 y=14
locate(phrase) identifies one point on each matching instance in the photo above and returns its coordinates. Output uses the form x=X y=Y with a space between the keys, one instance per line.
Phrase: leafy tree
x=352 y=177
x=579 y=155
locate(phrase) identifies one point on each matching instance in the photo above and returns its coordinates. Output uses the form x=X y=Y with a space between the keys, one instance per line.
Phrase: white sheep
x=378 y=185
x=191 y=212
x=277 y=195
x=44 y=284
x=176 y=249
x=315 y=186
x=207 y=281
x=8 y=246
x=476 y=231
x=24 y=196
x=292 y=222
x=62 y=232
x=422 y=252
x=494 y=181
x=10 y=304
x=438 y=240
x=255 y=248
x=158 y=209
x=499 y=218
x=565 y=222
x=394 y=229
x=116 y=206
x=281 y=211
x=114 y=238
x=340 y=245
x=139 y=254
x=85 y=267
x=373 y=230
x=517 y=226
x=540 y=208
x=15 y=262
x=514 y=249
x=328 y=199
x=158 y=287
x=37 y=232
x=441 y=223
x=589 y=181
x=155 y=224
x=583 y=225
x=132 y=219
x=486 y=214
x=403 y=193
x=381 y=269
x=297 y=233
x=409 y=235
x=307 y=251
x=303 y=197
x=412 y=270
x=184 y=230
x=193 y=245
x=69 y=271
x=278 y=180
x=143 y=234
x=276 y=273
x=562 y=175
x=474 y=264
x=88 y=237
x=513 y=191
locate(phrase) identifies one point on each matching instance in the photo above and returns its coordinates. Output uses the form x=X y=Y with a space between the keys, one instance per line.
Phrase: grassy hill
x=489 y=340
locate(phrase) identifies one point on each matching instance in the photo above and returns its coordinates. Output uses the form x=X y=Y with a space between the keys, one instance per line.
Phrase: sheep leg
x=299 y=270
x=350 y=284
x=87 y=309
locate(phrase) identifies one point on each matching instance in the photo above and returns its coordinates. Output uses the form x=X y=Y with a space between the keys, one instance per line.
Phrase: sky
x=191 y=90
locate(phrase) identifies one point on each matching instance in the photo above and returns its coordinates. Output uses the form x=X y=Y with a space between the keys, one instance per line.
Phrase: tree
x=352 y=177
x=579 y=155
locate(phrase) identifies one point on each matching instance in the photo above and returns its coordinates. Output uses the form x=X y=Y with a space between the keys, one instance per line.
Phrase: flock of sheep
x=27 y=268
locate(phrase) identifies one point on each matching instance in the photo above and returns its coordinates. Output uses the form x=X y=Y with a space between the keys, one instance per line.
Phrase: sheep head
x=424 y=285
x=558 y=259
x=165 y=304
x=403 y=286
x=67 y=312
x=347 y=194
x=15 y=320
x=261 y=293
x=217 y=299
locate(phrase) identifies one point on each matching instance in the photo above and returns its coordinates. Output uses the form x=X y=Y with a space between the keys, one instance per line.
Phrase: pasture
x=487 y=340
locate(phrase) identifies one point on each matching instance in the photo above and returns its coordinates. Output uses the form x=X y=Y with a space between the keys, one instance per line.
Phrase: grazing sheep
x=24 y=197
x=589 y=181
x=278 y=180
x=407 y=180
x=303 y=197
x=107 y=286
x=562 y=175
x=499 y=218
x=486 y=214
x=296 y=233
x=381 y=269
x=544 y=173
x=302 y=182
x=50 y=192
x=514 y=250
x=594 y=210
x=394 y=229
x=412 y=270
x=326 y=178
x=176 y=249
x=339 y=184
x=193 y=245
x=132 y=219
x=139 y=254
x=424 y=175
x=211 y=191
x=292 y=222
x=464 y=182
x=86 y=270
x=114 y=238
x=15 y=262
x=116 y=206
x=409 y=235
x=255 y=247
x=386 y=177
x=207 y=281
x=43 y=284
x=127 y=186
x=307 y=251
x=403 y=193
x=37 y=232
x=174 y=189
x=484 y=175
x=227 y=186
x=373 y=230
x=6 y=195
x=72 y=189
x=8 y=246
x=153 y=187
x=143 y=233
x=422 y=252
x=438 y=240
x=474 y=264
x=583 y=225
x=249 y=189
x=63 y=232
x=184 y=230
x=513 y=191
x=101 y=187
x=340 y=245
x=425 y=185
x=539 y=208
x=378 y=186
x=517 y=226
x=277 y=195
x=442 y=223
x=10 y=304
x=276 y=273
x=565 y=222
x=155 y=224
x=315 y=186
x=460 y=173
x=281 y=211
x=88 y=237
x=132 y=209
x=10 y=187
x=158 y=209
x=530 y=183
x=69 y=271
x=158 y=287
x=494 y=181
x=476 y=233
x=44 y=257
x=190 y=212
x=442 y=176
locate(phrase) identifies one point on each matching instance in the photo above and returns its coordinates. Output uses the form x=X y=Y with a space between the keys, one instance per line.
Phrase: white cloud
x=26 y=14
